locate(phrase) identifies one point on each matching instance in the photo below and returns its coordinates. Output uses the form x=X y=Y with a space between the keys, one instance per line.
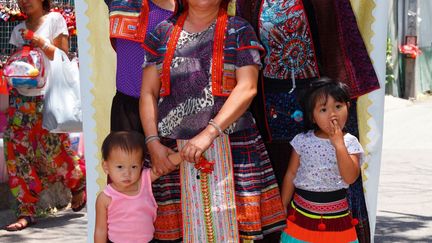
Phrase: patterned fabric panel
x=343 y=55
x=285 y=33
x=208 y=199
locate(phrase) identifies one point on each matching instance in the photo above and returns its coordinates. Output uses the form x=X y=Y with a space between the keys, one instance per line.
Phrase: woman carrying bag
x=34 y=156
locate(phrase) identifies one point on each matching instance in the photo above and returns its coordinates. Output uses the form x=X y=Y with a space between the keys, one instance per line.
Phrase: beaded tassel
x=207 y=207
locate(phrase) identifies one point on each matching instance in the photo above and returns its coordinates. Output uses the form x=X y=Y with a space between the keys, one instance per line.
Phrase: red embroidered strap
x=217 y=59
x=143 y=20
x=218 y=52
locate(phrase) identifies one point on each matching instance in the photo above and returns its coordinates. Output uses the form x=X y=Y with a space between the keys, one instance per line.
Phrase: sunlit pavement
x=405 y=191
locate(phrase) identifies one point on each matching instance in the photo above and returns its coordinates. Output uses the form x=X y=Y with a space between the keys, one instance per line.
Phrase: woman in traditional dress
x=200 y=76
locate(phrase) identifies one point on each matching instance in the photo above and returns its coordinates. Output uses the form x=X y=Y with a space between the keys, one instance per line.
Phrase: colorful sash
x=208 y=199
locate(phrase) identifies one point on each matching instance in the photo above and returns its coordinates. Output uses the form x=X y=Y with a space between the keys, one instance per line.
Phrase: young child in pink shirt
x=126 y=209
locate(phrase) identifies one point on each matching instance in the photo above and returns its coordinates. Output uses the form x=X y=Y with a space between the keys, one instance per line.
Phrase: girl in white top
x=34 y=156
x=325 y=160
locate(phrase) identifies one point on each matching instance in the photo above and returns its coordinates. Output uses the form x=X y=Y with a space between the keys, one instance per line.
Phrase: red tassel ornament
x=322 y=226
x=292 y=218
x=354 y=222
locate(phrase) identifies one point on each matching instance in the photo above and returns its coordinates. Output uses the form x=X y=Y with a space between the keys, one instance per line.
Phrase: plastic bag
x=25 y=68
x=62 y=107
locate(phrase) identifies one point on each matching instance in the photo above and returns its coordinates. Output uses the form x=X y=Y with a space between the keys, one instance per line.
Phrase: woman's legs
x=59 y=162
x=19 y=141
x=24 y=180
x=35 y=157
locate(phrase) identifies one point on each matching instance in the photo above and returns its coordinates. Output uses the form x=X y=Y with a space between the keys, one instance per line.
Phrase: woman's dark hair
x=128 y=141
x=46 y=5
x=322 y=89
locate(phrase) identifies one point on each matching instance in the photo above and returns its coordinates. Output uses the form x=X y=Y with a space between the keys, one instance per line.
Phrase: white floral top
x=318 y=170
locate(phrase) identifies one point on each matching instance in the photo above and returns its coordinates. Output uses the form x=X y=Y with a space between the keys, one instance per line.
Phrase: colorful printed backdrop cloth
x=285 y=33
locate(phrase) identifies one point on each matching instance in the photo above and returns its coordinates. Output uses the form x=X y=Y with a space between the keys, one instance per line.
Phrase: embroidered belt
x=321 y=208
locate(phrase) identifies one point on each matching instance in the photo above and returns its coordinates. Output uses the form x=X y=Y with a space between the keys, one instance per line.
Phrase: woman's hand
x=161 y=165
x=61 y=42
x=195 y=147
x=29 y=35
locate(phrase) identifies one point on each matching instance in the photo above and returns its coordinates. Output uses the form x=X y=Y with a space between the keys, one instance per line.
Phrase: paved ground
x=63 y=226
x=405 y=191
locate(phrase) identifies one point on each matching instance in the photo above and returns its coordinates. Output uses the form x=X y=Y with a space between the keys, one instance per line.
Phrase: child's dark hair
x=128 y=141
x=322 y=89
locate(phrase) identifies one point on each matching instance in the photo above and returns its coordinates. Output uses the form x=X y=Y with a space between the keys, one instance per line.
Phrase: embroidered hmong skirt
x=319 y=217
x=259 y=209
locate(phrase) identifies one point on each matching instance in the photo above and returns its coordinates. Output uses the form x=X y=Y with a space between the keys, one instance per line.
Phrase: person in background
x=324 y=162
x=199 y=78
x=34 y=156
x=126 y=209
x=130 y=22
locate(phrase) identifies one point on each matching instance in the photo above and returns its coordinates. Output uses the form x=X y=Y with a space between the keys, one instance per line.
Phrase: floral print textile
x=35 y=157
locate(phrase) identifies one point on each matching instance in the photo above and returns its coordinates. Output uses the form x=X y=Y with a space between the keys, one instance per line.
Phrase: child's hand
x=175 y=158
x=336 y=134
x=159 y=153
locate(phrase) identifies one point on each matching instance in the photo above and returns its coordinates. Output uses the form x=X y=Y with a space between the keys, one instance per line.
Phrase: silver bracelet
x=216 y=126
x=45 y=45
x=150 y=138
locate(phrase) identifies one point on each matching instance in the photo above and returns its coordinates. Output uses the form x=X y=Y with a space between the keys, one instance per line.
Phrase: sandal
x=83 y=198
x=20 y=225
